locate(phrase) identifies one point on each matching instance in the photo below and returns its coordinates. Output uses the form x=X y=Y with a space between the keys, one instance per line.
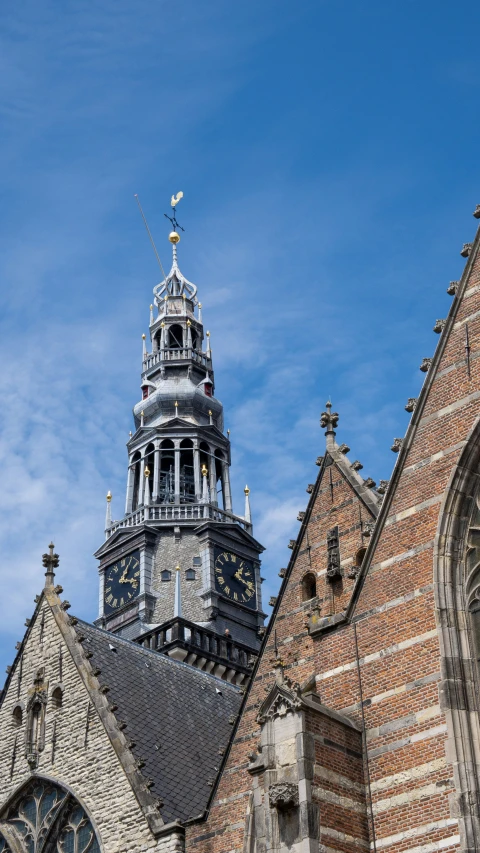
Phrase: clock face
x=235 y=578
x=122 y=582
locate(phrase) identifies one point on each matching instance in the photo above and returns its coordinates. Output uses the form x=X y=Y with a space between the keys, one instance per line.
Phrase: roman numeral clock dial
x=122 y=582
x=235 y=578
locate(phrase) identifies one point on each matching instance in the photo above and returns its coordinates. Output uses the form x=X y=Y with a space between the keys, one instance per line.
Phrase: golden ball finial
x=109 y=497
x=189 y=322
x=177 y=568
x=204 y=470
x=246 y=490
x=147 y=472
x=143 y=337
x=174 y=237
x=208 y=334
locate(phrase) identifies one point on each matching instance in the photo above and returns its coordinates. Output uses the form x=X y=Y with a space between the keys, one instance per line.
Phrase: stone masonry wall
x=80 y=755
x=168 y=553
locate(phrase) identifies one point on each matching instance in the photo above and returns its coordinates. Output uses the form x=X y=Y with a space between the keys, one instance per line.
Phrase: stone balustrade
x=203 y=648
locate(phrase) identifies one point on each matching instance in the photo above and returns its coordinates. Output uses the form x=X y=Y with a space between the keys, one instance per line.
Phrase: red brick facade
x=392 y=632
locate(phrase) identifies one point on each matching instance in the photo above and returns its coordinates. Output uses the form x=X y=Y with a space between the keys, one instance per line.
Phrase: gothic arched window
x=309 y=586
x=44 y=817
x=17 y=714
x=57 y=697
x=359 y=557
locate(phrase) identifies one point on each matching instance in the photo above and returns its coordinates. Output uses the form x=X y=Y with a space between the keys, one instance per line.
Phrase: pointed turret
x=248 y=514
x=108 y=513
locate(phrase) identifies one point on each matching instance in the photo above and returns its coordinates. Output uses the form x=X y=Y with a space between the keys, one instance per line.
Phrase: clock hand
x=242 y=580
x=123 y=578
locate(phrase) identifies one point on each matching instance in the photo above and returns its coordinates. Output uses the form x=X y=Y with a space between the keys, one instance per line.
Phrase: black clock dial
x=122 y=582
x=235 y=578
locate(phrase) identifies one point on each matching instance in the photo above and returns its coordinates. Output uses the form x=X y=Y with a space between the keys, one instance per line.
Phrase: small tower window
x=359 y=557
x=144 y=392
x=190 y=575
x=166 y=575
x=197 y=561
x=208 y=389
x=57 y=697
x=17 y=715
x=309 y=586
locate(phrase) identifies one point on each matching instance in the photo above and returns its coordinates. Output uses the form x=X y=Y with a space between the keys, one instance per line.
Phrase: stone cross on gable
x=50 y=562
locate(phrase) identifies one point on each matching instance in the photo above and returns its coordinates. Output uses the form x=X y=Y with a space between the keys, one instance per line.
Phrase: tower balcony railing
x=201 y=647
x=176 y=512
x=180 y=354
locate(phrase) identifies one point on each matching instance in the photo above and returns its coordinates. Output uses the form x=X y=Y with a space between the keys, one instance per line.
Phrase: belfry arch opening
x=175 y=337
x=187 y=478
x=149 y=467
x=136 y=465
x=167 y=471
x=219 y=478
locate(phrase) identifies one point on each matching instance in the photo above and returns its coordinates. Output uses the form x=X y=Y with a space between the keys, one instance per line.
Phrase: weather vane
x=173 y=219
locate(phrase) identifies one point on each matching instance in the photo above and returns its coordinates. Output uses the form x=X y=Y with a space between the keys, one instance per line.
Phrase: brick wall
x=392 y=609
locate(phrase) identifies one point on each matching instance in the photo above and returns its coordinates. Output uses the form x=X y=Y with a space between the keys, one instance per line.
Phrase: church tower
x=180 y=560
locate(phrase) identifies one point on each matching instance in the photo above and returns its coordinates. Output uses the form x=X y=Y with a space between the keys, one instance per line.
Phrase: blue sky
x=328 y=156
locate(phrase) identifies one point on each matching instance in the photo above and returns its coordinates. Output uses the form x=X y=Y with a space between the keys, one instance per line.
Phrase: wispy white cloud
x=298 y=251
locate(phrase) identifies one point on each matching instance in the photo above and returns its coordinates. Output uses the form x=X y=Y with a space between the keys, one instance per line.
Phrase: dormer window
x=208 y=388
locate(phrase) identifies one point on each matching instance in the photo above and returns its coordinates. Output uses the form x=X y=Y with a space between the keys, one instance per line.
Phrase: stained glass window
x=46 y=817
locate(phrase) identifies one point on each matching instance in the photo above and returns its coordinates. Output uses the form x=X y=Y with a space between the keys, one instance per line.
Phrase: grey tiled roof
x=177 y=716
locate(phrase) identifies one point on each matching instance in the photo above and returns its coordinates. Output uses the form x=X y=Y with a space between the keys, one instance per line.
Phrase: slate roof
x=177 y=716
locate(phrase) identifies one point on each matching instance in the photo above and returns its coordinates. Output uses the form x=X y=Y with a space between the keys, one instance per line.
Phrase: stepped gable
x=177 y=717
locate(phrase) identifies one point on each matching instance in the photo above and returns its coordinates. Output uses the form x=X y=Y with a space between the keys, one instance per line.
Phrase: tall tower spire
x=178 y=487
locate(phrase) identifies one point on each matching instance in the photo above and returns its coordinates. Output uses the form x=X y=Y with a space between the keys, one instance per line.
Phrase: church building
x=177 y=722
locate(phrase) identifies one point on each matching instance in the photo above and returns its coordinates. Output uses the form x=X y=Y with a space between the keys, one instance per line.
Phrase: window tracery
x=47 y=818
